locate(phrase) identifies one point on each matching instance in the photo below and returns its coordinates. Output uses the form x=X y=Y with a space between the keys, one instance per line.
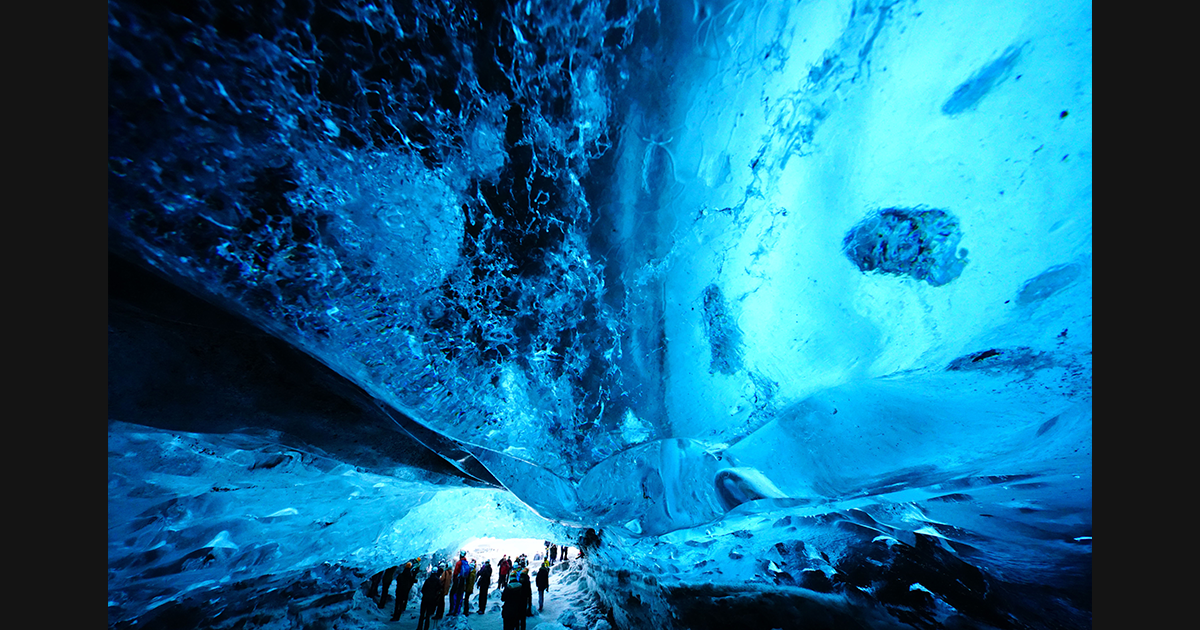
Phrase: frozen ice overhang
x=557 y=254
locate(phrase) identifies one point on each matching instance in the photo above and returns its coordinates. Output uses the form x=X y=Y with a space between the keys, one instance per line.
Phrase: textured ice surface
x=195 y=520
x=679 y=271
x=967 y=95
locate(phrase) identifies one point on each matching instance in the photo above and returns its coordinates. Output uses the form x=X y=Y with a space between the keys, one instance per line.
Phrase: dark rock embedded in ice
x=724 y=336
x=996 y=361
x=905 y=241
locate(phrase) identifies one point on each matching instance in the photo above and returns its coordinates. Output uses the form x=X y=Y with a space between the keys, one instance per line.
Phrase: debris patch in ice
x=921 y=243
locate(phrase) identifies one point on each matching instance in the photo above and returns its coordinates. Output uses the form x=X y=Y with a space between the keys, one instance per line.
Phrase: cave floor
x=566 y=593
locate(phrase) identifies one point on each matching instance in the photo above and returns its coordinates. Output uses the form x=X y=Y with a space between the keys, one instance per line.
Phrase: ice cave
x=778 y=313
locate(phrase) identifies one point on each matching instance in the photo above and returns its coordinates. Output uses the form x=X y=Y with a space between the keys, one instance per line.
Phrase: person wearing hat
x=527 y=588
x=458 y=586
x=404 y=584
x=446 y=578
x=543 y=582
x=484 y=582
x=431 y=596
x=513 y=609
x=462 y=561
x=470 y=588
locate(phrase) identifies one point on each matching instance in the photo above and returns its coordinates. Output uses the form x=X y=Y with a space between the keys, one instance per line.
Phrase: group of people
x=458 y=582
x=552 y=552
x=405 y=577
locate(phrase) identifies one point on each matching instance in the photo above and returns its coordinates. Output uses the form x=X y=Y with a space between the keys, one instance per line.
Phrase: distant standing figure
x=458 y=586
x=447 y=577
x=373 y=592
x=404 y=584
x=387 y=585
x=513 y=609
x=504 y=567
x=553 y=552
x=527 y=589
x=543 y=583
x=484 y=582
x=431 y=594
x=470 y=586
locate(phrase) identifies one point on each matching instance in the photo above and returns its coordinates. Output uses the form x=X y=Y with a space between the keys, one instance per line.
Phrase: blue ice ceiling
x=657 y=268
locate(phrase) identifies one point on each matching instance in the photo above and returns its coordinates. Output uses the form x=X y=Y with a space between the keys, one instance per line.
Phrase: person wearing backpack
x=458 y=586
x=513 y=609
x=483 y=583
x=470 y=587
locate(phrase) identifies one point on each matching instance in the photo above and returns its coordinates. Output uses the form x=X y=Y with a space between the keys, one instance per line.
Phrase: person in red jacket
x=504 y=567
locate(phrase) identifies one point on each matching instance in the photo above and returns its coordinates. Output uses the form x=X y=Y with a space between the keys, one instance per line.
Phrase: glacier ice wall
x=534 y=227
x=655 y=266
x=398 y=191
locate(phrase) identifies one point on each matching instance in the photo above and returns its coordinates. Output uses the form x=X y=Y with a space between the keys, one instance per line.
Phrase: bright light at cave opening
x=487 y=548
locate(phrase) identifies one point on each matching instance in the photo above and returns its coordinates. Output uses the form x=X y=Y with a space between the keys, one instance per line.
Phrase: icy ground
x=568 y=604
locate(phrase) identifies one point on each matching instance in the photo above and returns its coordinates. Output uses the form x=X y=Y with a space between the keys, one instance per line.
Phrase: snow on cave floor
x=567 y=595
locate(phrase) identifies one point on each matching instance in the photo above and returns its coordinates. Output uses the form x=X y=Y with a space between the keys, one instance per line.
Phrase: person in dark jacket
x=404 y=584
x=527 y=588
x=388 y=574
x=543 y=583
x=446 y=579
x=483 y=583
x=513 y=609
x=373 y=592
x=431 y=594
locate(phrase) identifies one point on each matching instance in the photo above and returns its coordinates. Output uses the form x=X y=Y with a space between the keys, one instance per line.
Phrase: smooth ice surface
x=791 y=298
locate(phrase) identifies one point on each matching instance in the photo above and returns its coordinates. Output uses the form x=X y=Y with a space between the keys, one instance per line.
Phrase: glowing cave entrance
x=785 y=308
